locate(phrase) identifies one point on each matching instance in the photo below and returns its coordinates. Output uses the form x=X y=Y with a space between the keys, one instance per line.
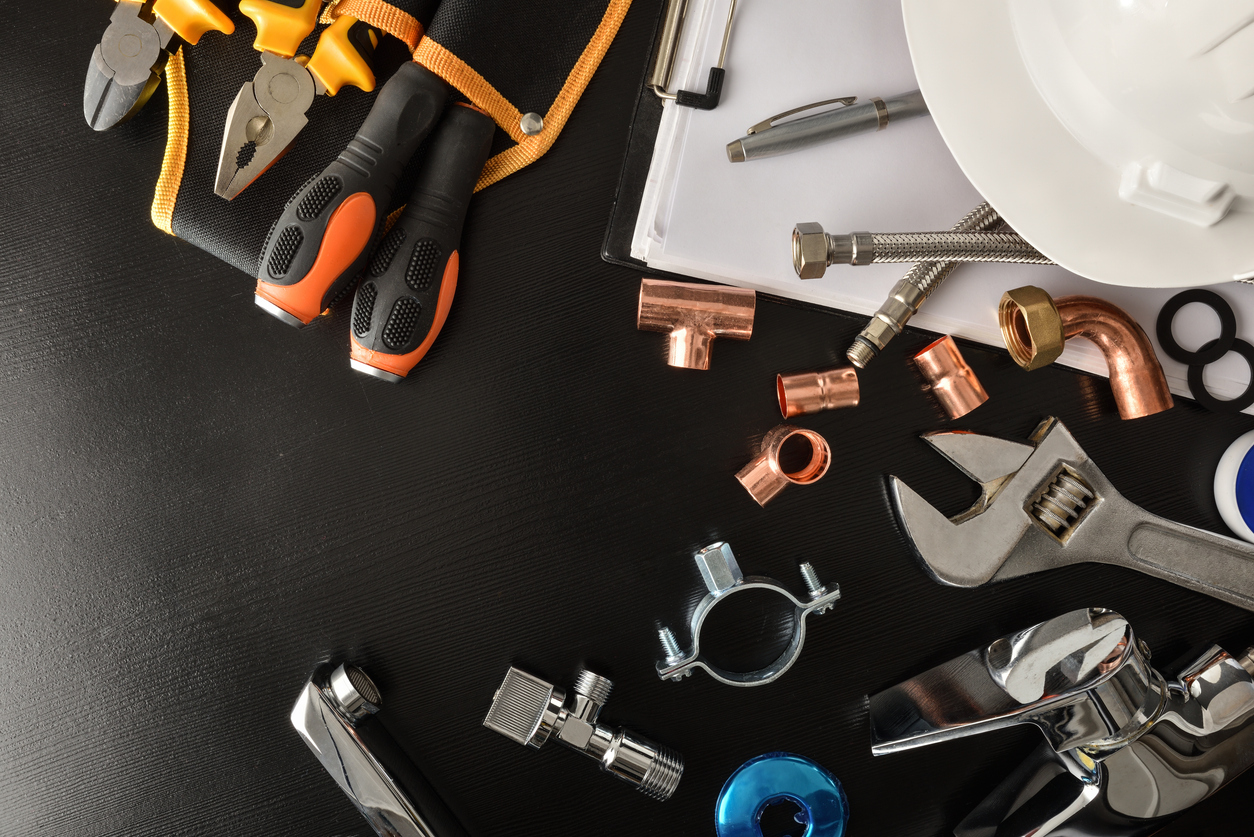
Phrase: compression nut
x=1031 y=326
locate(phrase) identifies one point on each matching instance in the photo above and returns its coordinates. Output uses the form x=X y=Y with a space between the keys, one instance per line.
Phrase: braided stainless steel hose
x=813 y=250
x=878 y=248
x=911 y=291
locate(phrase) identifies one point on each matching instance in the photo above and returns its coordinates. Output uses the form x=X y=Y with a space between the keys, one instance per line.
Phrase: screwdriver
x=407 y=292
x=269 y=111
x=321 y=241
x=126 y=65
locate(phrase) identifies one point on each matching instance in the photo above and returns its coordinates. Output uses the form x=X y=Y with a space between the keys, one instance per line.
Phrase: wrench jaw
x=1034 y=498
x=965 y=551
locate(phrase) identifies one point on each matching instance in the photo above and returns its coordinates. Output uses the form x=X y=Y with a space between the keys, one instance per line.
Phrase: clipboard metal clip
x=664 y=64
x=843 y=101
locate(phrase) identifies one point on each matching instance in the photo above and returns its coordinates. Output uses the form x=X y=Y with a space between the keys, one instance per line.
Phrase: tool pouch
x=540 y=56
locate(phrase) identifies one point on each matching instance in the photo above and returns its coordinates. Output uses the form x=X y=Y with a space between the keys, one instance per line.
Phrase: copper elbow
x=1136 y=376
x=812 y=392
x=693 y=315
x=764 y=477
x=949 y=377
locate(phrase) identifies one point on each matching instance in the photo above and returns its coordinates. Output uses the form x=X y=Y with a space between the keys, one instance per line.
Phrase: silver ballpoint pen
x=766 y=139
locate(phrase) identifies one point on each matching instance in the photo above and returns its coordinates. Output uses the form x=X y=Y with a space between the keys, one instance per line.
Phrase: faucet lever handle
x=1081 y=677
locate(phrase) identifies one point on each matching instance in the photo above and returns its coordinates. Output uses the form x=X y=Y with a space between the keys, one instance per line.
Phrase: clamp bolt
x=816 y=587
x=670 y=647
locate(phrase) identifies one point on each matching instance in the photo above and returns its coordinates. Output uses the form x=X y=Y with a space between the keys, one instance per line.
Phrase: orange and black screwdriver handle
x=321 y=242
x=407 y=291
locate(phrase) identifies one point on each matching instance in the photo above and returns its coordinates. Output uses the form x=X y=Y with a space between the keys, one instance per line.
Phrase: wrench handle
x=1194 y=558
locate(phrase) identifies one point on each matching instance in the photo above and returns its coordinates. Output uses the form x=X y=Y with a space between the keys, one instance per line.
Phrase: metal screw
x=670 y=647
x=816 y=588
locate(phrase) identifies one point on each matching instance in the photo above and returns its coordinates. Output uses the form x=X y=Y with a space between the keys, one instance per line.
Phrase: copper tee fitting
x=764 y=477
x=1029 y=320
x=812 y=392
x=693 y=315
x=950 y=378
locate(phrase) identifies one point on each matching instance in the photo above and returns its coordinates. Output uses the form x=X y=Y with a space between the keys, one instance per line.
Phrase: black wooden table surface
x=199 y=505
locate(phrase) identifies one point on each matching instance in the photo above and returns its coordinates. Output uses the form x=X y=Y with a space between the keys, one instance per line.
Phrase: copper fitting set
x=1035 y=327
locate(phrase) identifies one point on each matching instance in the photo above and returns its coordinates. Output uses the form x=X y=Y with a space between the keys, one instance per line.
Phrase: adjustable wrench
x=1044 y=504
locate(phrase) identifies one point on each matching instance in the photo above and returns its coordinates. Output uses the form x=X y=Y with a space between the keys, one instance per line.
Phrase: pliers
x=269 y=111
x=126 y=65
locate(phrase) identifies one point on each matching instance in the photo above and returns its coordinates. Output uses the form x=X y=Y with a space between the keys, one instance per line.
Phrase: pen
x=766 y=139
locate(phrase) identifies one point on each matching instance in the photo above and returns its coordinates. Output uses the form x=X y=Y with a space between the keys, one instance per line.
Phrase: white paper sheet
x=704 y=216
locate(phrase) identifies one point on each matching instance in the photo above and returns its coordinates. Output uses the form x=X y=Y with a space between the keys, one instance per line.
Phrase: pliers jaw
x=263 y=121
x=125 y=66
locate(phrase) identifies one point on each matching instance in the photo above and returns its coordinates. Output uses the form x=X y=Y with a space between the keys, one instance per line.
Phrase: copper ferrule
x=693 y=315
x=950 y=378
x=1136 y=377
x=813 y=392
x=764 y=477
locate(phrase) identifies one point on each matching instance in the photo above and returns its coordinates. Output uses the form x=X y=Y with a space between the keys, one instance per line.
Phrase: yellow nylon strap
x=175 y=145
x=378 y=14
x=477 y=89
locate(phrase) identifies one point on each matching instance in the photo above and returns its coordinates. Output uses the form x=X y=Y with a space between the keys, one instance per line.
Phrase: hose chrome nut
x=1031 y=327
x=530 y=711
x=809 y=250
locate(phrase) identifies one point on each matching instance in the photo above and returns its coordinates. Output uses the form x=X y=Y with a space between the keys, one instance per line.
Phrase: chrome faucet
x=1125 y=749
x=334 y=715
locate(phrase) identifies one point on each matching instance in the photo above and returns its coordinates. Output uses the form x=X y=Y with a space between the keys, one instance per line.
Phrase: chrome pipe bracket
x=723 y=578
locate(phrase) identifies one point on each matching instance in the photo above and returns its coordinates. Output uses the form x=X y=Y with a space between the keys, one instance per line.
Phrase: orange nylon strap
x=171 y=178
x=380 y=15
x=477 y=89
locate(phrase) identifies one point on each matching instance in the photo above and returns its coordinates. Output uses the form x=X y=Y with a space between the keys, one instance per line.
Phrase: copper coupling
x=764 y=477
x=813 y=392
x=1035 y=326
x=693 y=315
x=949 y=378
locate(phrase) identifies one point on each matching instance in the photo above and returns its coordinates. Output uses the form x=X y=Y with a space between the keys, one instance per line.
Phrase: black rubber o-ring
x=1218 y=348
x=1210 y=402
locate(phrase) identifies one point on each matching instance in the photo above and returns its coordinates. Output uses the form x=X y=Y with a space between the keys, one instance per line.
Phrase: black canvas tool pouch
x=508 y=57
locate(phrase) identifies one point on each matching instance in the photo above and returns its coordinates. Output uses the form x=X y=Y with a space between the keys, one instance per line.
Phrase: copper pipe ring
x=765 y=477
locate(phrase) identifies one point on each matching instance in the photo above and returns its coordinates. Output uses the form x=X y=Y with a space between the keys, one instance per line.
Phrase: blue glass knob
x=777 y=777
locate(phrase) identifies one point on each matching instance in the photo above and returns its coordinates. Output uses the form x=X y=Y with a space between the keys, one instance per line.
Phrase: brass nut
x=1031 y=327
x=809 y=250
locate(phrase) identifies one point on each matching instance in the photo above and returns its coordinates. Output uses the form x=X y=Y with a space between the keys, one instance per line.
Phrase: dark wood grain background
x=198 y=505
